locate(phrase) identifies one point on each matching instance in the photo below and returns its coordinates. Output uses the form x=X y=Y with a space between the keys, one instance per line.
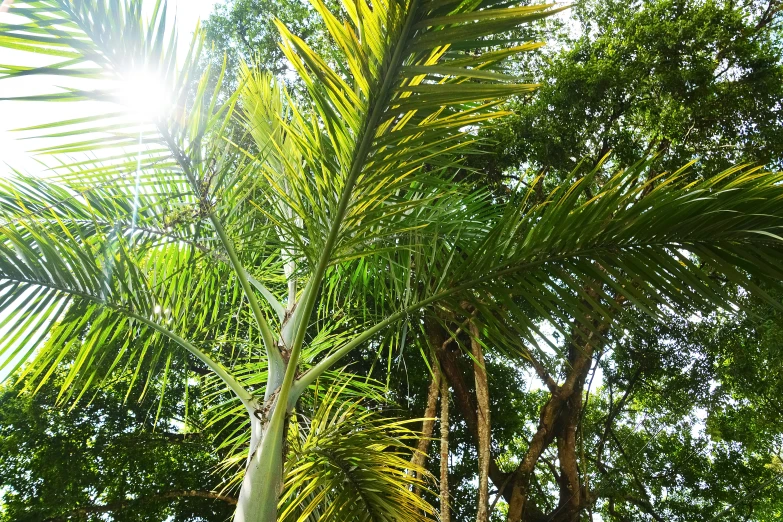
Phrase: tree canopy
x=689 y=80
x=129 y=459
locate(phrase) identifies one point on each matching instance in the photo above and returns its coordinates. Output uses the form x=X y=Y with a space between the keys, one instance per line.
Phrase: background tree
x=666 y=396
x=126 y=459
x=690 y=80
x=245 y=30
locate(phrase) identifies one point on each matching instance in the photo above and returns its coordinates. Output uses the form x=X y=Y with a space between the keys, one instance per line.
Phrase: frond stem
x=245 y=396
x=275 y=359
x=327 y=362
x=266 y=331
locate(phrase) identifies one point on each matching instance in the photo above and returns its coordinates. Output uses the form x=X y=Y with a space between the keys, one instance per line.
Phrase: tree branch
x=643 y=503
x=245 y=396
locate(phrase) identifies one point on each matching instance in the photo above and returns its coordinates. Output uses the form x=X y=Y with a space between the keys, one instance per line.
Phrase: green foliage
x=245 y=30
x=697 y=431
x=104 y=458
x=350 y=463
x=689 y=79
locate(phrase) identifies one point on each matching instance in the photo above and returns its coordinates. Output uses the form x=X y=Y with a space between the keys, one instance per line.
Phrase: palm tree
x=271 y=263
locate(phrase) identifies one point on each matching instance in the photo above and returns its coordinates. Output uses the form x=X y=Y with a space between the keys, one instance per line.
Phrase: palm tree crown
x=271 y=259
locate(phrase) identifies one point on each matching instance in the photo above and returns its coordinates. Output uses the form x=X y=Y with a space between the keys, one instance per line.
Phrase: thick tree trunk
x=543 y=437
x=571 y=491
x=482 y=398
x=573 y=494
x=445 y=511
x=263 y=479
x=560 y=418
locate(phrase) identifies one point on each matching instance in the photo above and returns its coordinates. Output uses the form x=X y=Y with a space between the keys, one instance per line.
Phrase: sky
x=14 y=115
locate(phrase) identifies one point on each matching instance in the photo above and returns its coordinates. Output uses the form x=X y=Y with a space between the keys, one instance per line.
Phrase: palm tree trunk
x=445 y=515
x=482 y=398
x=263 y=479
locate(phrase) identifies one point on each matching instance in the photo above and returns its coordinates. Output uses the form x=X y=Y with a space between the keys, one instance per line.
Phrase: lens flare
x=144 y=95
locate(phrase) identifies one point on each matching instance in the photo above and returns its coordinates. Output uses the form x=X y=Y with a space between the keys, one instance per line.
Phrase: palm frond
x=100 y=43
x=228 y=415
x=350 y=463
x=410 y=93
x=661 y=245
x=128 y=289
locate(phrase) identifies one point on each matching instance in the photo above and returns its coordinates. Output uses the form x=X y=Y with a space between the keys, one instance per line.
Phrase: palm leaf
x=349 y=463
x=662 y=245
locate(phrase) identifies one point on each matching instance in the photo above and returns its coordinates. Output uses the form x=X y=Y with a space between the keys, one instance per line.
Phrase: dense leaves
x=129 y=460
x=692 y=80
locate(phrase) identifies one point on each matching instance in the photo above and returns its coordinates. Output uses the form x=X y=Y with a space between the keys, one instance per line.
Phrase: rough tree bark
x=543 y=437
x=466 y=405
x=482 y=398
x=428 y=425
x=572 y=494
x=559 y=420
x=445 y=511
x=429 y=418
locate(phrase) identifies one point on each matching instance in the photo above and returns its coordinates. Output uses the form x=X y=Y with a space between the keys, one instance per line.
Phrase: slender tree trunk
x=464 y=401
x=429 y=418
x=482 y=398
x=445 y=511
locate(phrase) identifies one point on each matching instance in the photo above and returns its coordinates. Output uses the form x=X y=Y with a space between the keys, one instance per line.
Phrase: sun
x=144 y=95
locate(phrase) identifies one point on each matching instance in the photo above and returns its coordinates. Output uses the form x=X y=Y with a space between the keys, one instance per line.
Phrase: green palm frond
x=348 y=463
x=662 y=244
x=354 y=187
x=228 y=417
x=378 y=133
x=128 y=285
x=665 y=243
x=345 y=216
x=410 y=92
x=108 y=43
x=149 y=201
x=177 y=146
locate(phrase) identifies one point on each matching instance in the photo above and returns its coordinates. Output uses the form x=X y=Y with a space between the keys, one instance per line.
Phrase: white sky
x=14 y=115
